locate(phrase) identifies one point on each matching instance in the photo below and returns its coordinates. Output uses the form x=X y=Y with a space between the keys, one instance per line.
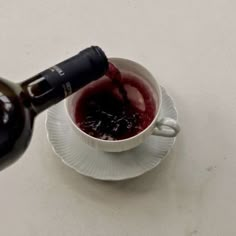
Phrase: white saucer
x=101 y=165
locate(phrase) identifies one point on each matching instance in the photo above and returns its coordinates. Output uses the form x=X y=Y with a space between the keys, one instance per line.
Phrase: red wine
x=115 y=108
x=20 y=103
x=115 y=75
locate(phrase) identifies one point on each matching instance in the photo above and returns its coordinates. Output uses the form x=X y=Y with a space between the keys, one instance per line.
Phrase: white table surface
x=191 y=46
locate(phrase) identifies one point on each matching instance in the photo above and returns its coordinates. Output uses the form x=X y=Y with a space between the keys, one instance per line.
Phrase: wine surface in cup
x=116 y=107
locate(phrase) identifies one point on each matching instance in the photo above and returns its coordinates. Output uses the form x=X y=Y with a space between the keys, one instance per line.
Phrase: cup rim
x=130 y=138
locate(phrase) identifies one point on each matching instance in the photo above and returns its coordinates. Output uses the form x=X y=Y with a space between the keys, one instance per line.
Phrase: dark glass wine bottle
x=21 y=102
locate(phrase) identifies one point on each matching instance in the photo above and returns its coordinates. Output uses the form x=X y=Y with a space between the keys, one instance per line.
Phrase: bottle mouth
x=100 y=59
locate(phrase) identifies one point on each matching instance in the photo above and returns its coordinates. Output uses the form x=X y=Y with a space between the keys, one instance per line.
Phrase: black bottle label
x=63 y=79
x=58 y=77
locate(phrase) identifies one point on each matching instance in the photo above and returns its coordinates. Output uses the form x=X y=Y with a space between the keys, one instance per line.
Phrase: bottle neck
x=58 y=82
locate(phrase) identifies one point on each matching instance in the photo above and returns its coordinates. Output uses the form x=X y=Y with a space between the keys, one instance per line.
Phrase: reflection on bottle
x=5 y=108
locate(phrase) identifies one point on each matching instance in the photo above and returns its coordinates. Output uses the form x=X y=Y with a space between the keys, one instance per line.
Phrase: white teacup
x=165 y=127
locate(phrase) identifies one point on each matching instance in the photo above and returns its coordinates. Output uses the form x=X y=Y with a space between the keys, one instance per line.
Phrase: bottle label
x=66 y=85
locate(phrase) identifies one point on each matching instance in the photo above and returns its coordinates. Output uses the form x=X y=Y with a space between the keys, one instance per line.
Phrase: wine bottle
x=21 y=102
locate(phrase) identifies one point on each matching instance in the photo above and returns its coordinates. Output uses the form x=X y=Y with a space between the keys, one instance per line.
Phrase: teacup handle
x=166 y=127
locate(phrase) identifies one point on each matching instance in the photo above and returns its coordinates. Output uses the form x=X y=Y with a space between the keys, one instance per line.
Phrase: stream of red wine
x=115 y=75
